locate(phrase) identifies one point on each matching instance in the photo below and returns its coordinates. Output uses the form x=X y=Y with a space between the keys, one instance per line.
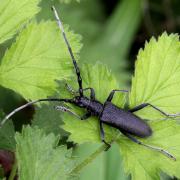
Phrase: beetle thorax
x=95 y=107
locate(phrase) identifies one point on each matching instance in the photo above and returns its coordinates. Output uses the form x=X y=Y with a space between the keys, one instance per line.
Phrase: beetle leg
x=102 y=135
x=141 y=106
x=65 y=109
x=72 y=91
x=110 y=97
x=166 y=153
x=92 y=92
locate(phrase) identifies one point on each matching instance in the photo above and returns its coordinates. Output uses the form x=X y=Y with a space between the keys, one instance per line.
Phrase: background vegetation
x=112 y=32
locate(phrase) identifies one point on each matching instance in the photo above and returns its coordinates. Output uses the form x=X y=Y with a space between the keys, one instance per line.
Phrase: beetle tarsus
x=107 y=144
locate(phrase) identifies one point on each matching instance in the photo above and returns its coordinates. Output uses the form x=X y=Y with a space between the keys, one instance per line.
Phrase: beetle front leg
x=71 y=90
x=102 y=135
x=65 y=109
x=111 y=95
x=141 y=106
x=92 y=92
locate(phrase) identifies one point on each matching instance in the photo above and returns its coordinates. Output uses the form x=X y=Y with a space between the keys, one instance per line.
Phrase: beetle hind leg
x=165 y=152
x=142 y=106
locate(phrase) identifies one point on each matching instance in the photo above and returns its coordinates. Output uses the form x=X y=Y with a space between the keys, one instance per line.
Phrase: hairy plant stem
x=88 y=160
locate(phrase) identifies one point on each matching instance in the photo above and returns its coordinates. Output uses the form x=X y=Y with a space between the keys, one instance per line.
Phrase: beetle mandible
x=128 y=123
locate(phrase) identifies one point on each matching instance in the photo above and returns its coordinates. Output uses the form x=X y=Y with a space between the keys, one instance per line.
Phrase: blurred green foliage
x=112 y=33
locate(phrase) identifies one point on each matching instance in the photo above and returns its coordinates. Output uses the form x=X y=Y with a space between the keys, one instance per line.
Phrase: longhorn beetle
x=129 y=124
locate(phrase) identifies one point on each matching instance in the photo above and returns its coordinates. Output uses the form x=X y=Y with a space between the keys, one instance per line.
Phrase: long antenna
x=29 y=104
x=60 y=25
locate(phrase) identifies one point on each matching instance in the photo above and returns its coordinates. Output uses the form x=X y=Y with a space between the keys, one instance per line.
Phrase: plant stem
x=13 y=171
x=88 y=160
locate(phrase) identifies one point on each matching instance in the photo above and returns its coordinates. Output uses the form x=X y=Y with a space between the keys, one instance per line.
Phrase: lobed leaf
x=100 y=78
x=144 y=163
x=156 y=81
x=39 y=157
x=157 y=73
x=151 y=83
x=48 y=119
x=36 y=59
x=14 y=14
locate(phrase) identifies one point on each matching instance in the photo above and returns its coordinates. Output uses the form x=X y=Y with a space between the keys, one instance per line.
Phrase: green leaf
x=145 y=163
x=7 y=135
x=100 y=78
x=14 y=14
x=39 y=157
x=36 y=59
x=156 y=81
x=119 y=27
x=48 y=119
x=157 y=73
x=166 y=134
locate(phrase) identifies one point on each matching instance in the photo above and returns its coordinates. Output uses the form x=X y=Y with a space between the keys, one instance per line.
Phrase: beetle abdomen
x=124 y=120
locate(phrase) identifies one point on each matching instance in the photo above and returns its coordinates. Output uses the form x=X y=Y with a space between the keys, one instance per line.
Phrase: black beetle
x=107 y=113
